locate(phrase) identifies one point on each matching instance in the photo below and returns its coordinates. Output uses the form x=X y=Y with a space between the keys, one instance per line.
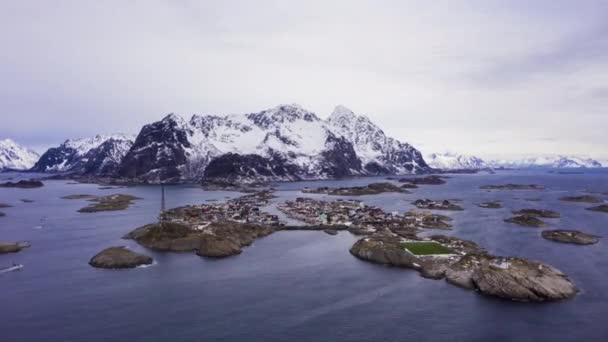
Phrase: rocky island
x=2 y=214
x=512 y=187
x=465 y=264
x=538 y=213
x=4 y=205
x=601 y=208
x=490 y=205
x=570 y=236
x=428 y=180
x=12 y=247
x=370 y=189
x=436 y=205
x=109 y=203
x=582 y=199
x=526 y=220
x=23 y=184
x=119 y=257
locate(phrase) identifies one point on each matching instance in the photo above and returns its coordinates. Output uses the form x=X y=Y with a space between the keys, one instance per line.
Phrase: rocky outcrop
x=23 y=184
x=570 y=236
x=119 y=257
x=511 y=278
x=436 y=205
x=12 y=247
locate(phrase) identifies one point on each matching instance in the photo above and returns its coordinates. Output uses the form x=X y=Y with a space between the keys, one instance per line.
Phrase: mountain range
x=453 y=161
x=286 y=143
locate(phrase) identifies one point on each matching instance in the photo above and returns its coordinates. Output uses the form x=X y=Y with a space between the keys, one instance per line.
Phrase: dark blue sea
x=291 y=286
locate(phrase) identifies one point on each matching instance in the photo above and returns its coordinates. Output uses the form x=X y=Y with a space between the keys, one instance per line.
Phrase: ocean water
x=291 y=286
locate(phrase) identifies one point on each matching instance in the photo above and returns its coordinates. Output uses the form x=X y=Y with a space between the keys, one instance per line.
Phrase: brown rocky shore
x=12 y=247
x=467 y=265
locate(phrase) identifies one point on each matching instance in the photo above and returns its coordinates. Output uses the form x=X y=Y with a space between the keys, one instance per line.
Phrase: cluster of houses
x=352 y=213
x=245 y=209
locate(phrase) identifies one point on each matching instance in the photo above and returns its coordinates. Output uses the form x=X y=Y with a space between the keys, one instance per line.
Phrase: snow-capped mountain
x=283 y=143
x=16 y=157
x=99 y=155
x=547 y=162
x=453 y=161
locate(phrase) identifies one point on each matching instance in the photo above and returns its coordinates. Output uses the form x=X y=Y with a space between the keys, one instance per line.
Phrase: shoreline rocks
x=13 y=247
x=526 y=220
x=570 y=236
x=119 y=257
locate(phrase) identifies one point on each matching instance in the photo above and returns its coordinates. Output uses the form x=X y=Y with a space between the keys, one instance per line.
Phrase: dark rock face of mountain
x=158 y=152
x=340 y=160
x=53 y=157
x=235 y=168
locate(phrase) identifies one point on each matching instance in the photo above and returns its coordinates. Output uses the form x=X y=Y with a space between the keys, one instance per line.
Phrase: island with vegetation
x=601 y=208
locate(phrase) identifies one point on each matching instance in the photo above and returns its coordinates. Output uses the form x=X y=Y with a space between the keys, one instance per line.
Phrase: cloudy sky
x=491 y=78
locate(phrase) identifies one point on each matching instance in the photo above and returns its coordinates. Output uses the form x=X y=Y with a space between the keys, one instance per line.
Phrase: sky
x=496 y=79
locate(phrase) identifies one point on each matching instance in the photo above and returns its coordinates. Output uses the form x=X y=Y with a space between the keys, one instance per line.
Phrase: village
x=245 y=209
x=357 y=214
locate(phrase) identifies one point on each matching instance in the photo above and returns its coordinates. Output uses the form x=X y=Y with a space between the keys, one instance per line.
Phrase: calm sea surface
x=291 y=286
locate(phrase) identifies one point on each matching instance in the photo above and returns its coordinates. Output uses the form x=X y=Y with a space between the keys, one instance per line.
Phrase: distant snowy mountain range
x=452 y=161
x=286 y=142
x=16 y=157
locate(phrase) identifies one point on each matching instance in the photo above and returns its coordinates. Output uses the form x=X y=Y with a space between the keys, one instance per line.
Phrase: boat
x=14 y=267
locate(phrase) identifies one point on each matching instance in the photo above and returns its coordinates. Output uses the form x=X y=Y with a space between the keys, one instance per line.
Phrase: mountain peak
x=341 y=113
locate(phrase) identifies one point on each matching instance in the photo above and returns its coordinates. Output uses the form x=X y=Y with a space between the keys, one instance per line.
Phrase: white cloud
x=441 y=74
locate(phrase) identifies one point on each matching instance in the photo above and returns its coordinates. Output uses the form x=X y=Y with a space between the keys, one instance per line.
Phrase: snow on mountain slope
x=547 y=162
x=101 y=154
x=377 y=152
x=292 y=142
x=16 y=157
x=453 y=161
